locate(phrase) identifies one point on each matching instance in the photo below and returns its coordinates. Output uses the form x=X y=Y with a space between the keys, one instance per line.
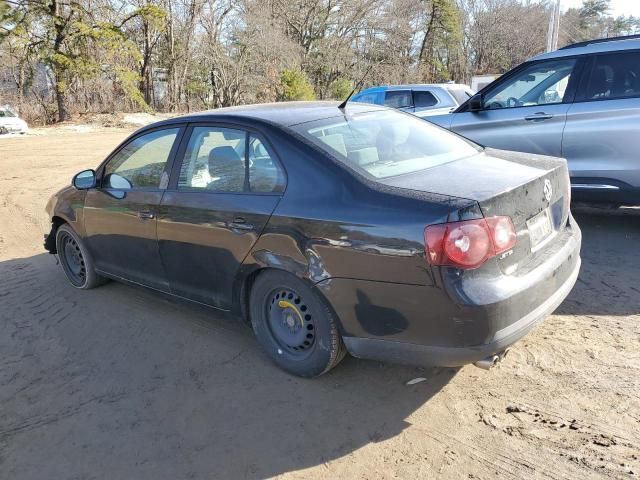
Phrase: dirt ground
x=118 y=382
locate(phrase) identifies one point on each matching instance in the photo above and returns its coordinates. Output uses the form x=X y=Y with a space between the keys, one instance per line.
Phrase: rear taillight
x=470 y=243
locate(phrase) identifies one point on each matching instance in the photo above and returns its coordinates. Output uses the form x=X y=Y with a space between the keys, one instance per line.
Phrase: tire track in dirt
x=589 y=444
x=628 y=437
x=494 y=458
x=29 y=299
x=35 y=422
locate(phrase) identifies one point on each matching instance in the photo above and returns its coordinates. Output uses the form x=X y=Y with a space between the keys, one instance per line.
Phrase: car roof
x=283 y=114
x=413 y=86
x=631 y=42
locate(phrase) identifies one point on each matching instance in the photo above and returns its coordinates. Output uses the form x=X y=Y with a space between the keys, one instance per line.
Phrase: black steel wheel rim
x=290 y=321
x=72 y=259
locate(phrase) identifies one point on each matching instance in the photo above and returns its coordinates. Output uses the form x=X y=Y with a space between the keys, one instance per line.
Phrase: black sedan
x=359 y=229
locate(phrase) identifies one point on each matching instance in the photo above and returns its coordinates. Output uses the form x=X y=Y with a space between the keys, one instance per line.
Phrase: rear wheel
x=75 y=259
x=294 y=325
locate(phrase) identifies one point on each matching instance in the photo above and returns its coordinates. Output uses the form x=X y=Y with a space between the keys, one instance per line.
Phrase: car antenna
x=357 y=87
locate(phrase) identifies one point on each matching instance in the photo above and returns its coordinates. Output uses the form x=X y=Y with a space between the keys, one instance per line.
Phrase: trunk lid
x=531 y=189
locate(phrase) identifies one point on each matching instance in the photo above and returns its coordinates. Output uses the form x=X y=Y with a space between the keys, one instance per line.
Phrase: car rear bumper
x=415 y=354
x=463 y=317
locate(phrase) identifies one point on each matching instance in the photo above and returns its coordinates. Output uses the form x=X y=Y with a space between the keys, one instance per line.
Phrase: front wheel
x=294 y=325
x=75 y=259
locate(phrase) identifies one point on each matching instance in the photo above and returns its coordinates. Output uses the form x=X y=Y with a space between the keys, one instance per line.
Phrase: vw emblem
x=547 y=190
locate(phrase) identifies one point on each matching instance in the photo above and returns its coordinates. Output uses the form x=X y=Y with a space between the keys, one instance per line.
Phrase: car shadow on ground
x=120 y=382
x=608 y=281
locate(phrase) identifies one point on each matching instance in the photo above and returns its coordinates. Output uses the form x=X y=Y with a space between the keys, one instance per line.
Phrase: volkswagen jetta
x=359 y=229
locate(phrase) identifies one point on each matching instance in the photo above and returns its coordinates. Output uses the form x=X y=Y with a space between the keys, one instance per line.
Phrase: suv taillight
x=470 y=243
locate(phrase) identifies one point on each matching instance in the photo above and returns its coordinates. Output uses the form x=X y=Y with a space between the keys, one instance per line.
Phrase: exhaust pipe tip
x=491 y=361
x=487 y=363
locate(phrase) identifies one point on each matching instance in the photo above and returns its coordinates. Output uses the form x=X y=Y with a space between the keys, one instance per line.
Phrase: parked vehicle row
x=329 y=229
x=422 y=100
x=581 y=102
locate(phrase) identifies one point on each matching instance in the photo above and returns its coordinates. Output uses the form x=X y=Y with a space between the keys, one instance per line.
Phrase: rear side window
x=214 y=160
x=615 y=76
x=423 y=99
x=398 y=98
x=140 y=163
x=265 y=174
x=228 y=160
x=373 y=97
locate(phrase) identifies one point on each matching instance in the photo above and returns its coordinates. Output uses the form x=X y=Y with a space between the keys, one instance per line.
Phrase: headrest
x=224 y=159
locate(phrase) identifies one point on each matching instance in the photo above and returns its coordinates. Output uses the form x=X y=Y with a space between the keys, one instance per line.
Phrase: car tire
x=294 y=325
x=75 y=259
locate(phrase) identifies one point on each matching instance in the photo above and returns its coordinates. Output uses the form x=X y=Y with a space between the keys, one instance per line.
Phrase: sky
x=618 y=7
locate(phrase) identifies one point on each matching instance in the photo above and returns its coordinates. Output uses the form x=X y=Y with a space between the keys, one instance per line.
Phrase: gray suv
x=581 y=102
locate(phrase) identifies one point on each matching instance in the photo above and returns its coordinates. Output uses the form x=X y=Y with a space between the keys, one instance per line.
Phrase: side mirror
x=476 y=103
x=84 y=180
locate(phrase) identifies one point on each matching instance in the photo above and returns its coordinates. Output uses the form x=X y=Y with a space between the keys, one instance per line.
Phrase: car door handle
x=240 y=223
x=145 y=215
x=538 y=116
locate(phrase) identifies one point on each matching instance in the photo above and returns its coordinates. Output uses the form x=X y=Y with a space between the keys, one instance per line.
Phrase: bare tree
x=103 y=55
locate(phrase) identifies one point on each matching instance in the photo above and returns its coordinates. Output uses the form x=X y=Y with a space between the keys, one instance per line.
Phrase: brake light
x=502 y=233
x=470 y=243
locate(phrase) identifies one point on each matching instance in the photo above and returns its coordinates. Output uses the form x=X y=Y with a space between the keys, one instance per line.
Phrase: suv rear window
x=386 y=143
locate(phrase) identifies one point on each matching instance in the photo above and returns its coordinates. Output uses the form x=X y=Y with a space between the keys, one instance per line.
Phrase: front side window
x=615 y=76
x=141 y=162
x=228 y=160
x=424 y=99
x=543 y=83
x=398 y=99
x=386 y=143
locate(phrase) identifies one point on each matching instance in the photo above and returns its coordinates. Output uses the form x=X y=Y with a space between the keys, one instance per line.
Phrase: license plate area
x=540 y=229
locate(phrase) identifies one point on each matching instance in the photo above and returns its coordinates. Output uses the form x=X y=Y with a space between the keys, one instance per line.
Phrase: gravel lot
x=118 y=382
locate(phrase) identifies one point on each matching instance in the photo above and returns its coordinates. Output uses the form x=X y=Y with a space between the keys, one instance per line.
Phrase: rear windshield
x=386 y=143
